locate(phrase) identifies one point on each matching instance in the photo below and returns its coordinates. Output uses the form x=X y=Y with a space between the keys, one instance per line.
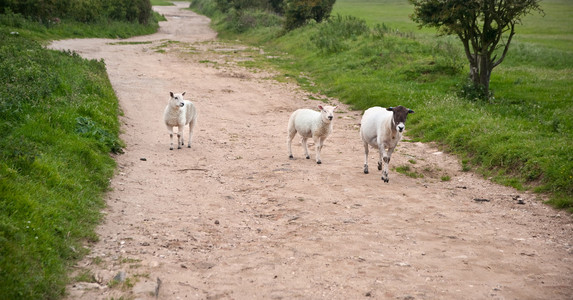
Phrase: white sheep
x=310 y=123
x=382 y=128
x=179 y=112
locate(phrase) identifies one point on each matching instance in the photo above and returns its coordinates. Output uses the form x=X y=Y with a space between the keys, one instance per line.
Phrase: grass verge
x=58 y=126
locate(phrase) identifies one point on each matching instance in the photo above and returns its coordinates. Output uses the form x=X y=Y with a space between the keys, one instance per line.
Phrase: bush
x=298 y=12
x=332 y=35
x=275 y=6
x=473 y=91
x=82 y=10
x=239 y=21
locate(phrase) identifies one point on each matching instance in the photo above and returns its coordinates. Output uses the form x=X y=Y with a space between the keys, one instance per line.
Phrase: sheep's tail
x=291 y=127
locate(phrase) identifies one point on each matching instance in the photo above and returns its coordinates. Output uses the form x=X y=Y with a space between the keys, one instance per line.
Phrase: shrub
x=332 y=35
x=239 y=21
x=298 y=12
x=82 y=10
x=206 y=7
x=275 y=6
x=472 y=91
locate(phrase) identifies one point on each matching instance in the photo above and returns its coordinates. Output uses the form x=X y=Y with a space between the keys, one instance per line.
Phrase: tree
x=485 y=28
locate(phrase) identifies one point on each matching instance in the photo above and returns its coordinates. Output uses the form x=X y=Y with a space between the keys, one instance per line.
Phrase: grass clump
x=408 y=172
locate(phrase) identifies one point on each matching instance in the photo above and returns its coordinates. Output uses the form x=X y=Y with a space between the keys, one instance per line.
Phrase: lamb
x=179 y=112
x=310 y=123
x=382 y=128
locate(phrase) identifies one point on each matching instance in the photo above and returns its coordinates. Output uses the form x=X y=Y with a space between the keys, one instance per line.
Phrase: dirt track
x=234 y=218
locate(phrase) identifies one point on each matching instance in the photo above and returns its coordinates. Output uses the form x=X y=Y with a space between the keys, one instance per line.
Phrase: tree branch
x=495 y=64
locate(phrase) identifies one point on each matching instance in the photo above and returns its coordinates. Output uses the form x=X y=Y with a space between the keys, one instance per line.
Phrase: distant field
x=554 y=29
x=393 y=13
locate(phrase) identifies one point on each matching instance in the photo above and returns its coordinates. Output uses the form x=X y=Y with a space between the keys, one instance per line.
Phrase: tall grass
x=522 y=138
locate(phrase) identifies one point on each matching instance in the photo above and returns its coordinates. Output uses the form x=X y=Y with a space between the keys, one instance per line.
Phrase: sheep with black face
x=382 y=128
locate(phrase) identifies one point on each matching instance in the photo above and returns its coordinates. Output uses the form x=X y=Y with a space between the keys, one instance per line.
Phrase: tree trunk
x=485 y=73
x=480 y=72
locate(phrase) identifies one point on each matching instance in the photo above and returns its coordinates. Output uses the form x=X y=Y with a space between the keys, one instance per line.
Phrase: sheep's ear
x=410 y=111
x=334 y=107
x=171 y=93
x=390 y=109
x=320 y=107
x=183 y=94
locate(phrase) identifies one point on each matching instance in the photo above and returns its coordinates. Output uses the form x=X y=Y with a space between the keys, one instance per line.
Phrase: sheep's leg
x=383 y=162
x=191 y=127
x=319 y=142
x=170 y=129
x=290 y=136
x=381 y=154
x=386 y=163
x=179 y=136
x=305 y=147
x=365 y=158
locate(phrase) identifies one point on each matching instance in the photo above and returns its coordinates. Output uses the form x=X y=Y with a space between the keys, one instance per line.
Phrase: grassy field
x=370 y=53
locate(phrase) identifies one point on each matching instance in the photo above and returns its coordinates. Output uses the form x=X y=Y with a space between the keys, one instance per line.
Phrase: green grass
x=393 y=13
x=408 y=172
x=161 y=3
x=522 y=138
x=58 y=126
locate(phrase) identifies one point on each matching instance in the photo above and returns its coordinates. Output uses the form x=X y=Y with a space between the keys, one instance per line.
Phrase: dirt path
x=234 y=218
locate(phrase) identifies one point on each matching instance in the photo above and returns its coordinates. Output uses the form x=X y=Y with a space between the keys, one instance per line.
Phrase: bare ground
x=233 y=218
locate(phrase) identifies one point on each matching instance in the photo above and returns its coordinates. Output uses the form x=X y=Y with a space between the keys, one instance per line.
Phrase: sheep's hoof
x=365 y=171
x=308 y=157
x=291 y=157
x=385 y=179
x=188 y=146
x=170 y=148
x=318 y=162
x=178 y=147
x=379 y=166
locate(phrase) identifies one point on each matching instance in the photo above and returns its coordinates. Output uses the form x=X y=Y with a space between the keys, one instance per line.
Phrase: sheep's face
x=177 y=99
x=327 y=113
x=399 y=117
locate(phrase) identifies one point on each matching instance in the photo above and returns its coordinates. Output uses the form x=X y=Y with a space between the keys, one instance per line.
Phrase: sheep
x=382 y=128
x=179 y=112
x=310 y=123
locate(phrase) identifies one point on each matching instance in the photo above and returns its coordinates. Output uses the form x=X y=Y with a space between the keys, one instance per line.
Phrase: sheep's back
x=305 y=121
x=374 y=123
x=190 y=111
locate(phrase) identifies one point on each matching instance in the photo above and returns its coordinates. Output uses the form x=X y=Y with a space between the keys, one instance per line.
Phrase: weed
x=406 y=171
x=85 y=276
